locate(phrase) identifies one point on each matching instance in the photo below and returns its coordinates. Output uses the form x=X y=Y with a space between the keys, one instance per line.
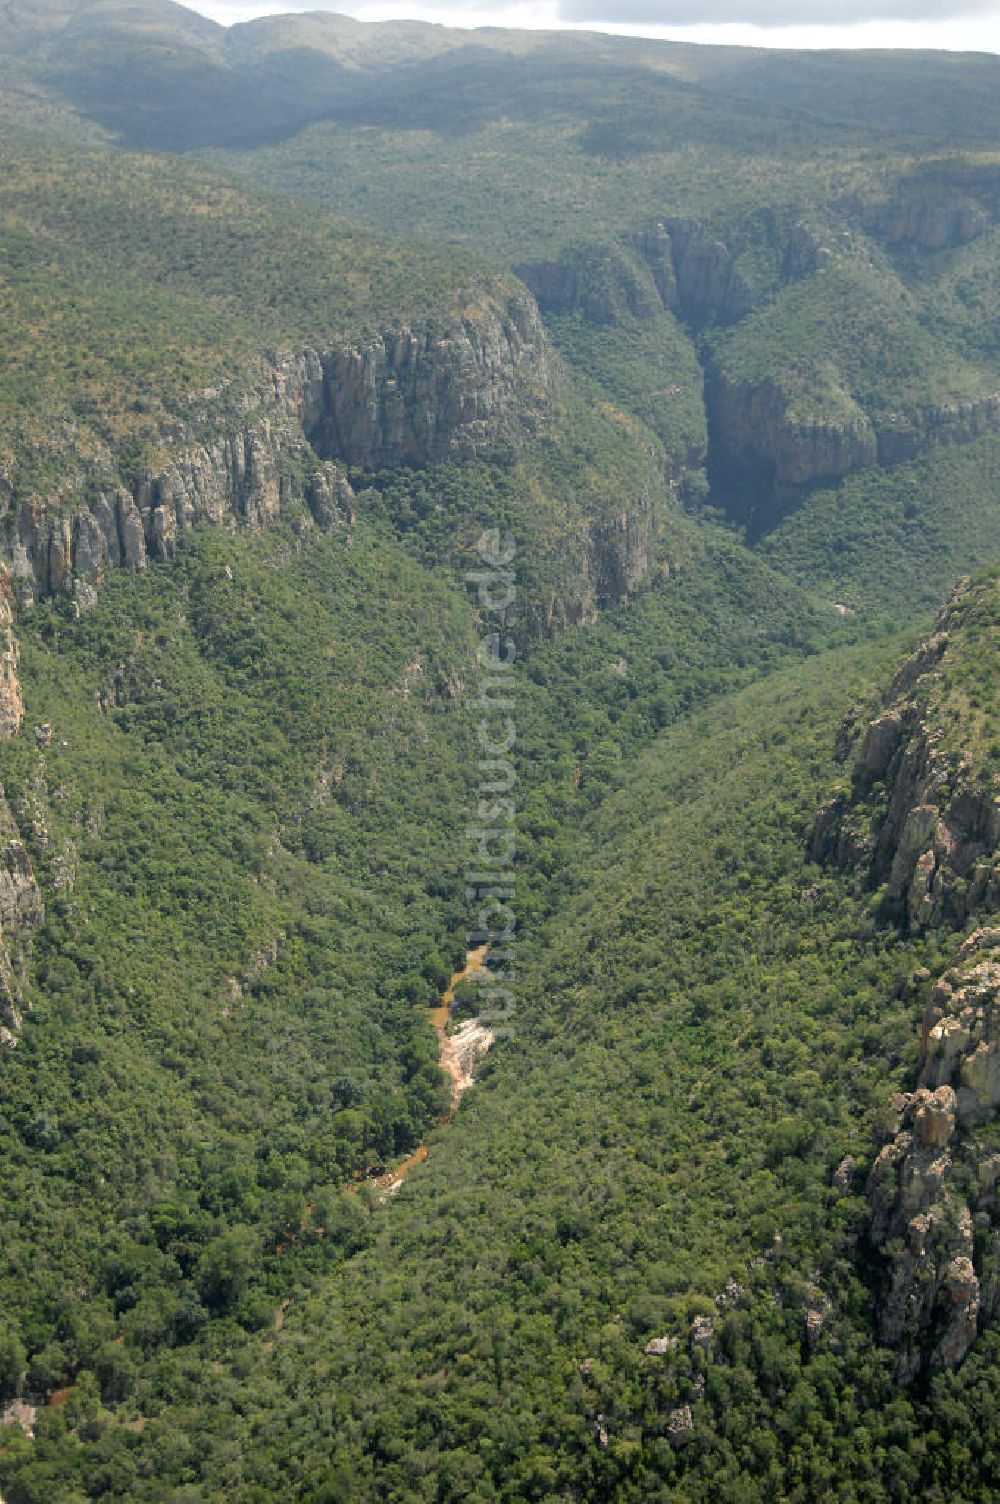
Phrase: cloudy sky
x=956 y=24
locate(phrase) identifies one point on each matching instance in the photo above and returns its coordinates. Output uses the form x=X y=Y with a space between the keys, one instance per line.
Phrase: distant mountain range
x=157 y=75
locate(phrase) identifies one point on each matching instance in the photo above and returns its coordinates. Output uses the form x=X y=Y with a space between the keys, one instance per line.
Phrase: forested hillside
x=364 y=389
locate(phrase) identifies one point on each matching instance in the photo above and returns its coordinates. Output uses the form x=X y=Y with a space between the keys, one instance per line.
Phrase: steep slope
x=920 y=821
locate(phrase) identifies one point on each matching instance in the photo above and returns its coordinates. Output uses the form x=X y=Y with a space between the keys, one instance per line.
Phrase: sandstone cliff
x=241 y=455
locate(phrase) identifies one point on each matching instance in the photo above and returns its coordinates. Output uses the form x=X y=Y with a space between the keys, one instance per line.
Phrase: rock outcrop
x=806 y=251
x=407 y=396
x=621 y=549
x=902 y=436
x=21 y=912
x=462 y=1051
x=11 y=703
x=919 y=817
x=604 y=282
x=933 y=1188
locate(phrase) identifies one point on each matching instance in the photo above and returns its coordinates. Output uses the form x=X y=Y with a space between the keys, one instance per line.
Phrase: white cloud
x=892 y=23
x=527 y=15
x=768 y=12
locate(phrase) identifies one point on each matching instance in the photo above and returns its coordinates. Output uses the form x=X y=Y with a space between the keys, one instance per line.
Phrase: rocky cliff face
x=707 y=277
x=902 y=436
x=806 y=251
x=754 y=428
x=924 y=221
x=241 y=459
x=758 y=439
x=933 y=1188
x=605 y=282
x=919 y=817
x=21 y=912
x=920 y=820
x=407 y=396
x=677 y=263
x=621 y=549
x=11 y=704
x=21 y=909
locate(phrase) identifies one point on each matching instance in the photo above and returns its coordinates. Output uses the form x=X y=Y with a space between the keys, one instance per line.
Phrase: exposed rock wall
x=902 y=436
x=11 y=704
x=708 y=279
x=920 y=820
x=933 y=1188
x=604 y=282
x=916 y=817
x=806 y=251
x=621 y=549
x=753 y=424
x=407 y=396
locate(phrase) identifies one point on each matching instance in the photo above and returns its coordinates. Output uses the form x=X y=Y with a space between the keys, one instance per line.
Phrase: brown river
x=454 y=1063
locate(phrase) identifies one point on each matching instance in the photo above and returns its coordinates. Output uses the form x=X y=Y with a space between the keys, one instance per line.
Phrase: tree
x=225 y=1267
x=12 y=1360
